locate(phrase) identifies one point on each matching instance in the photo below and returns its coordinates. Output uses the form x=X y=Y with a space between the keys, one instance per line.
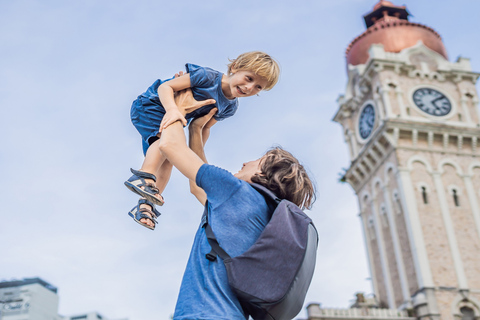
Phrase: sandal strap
x=153 y=212
x=142 y=174
x=152 y=188
x=138 y=179
x=142 y=214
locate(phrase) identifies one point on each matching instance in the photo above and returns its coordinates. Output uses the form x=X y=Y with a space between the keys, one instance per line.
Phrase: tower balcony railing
x=317 y=313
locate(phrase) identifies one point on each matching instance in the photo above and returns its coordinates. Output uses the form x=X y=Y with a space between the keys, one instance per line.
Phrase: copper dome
x=388 y=24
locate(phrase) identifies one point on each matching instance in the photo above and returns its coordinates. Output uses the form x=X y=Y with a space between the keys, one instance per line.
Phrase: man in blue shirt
x=237 y=212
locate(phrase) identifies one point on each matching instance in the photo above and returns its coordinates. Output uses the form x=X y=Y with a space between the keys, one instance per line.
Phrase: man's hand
x=186 y=102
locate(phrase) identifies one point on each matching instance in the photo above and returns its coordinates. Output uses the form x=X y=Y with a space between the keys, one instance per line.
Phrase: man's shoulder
x=210 y=176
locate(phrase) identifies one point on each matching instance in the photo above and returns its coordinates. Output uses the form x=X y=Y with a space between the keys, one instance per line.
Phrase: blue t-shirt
x=206 y=83
x=238 y=214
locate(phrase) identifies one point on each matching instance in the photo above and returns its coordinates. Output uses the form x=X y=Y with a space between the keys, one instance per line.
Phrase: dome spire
x=385 y=11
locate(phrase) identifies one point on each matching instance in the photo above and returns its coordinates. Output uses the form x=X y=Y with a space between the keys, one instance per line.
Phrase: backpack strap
x=272 y=200
x=271 y=197
x=212 y=240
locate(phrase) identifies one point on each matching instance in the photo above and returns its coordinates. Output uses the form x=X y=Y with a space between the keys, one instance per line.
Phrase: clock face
x=432 y=102
x=366 y=121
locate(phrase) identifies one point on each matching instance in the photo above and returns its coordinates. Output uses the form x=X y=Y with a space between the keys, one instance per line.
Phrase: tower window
x=371 y=228
x=397 y=205
x=455 y=198
x=424 y=195
x=467 y=313
x=383 y=216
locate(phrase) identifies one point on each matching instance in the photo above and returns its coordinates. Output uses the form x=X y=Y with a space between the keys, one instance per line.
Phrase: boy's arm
x=166 y=92
x=198 y=131
x=182 y=104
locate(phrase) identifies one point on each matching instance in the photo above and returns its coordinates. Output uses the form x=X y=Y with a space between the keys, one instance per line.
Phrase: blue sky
x=68 y=73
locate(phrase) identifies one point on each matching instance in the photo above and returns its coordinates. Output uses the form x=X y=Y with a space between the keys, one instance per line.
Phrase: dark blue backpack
x=272 y=277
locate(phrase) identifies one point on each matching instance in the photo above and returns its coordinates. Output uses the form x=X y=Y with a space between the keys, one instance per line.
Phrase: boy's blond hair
x=260 y=63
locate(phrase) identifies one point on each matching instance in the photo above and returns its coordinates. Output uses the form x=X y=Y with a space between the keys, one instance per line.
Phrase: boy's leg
x=163 y=175
x=153 y=163
x=156 y=164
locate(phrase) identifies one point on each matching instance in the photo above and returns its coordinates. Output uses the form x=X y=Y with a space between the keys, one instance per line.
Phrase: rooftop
x=27 y=281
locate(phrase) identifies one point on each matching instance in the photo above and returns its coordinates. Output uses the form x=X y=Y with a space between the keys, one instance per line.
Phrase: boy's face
x=244 y=83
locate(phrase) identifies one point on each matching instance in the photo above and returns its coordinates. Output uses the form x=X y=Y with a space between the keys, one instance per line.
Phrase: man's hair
x=283 y=174
x=258 y=62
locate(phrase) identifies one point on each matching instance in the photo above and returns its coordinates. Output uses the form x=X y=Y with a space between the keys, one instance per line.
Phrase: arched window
x=424 y=195
x=455 y=198
x=467 y=313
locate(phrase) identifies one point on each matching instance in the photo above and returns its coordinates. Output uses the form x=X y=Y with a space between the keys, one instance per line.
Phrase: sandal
x=137 y=213
x=149 y=191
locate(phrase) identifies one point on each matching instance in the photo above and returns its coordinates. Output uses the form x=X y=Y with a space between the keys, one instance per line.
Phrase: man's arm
x=174 y=146
x=173 y=143
x=198 y=131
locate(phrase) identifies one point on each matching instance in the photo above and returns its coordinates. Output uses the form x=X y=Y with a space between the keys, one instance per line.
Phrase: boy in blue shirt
x=155 y=109
x=236 y=212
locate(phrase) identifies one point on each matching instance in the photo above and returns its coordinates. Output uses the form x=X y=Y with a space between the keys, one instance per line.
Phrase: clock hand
x=434 y=100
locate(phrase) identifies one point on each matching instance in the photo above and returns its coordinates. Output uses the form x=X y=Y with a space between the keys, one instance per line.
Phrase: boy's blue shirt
x=206 y=83
x=238 y=214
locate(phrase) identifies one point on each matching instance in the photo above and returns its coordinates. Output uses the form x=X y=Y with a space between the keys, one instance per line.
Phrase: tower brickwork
x=411 y=123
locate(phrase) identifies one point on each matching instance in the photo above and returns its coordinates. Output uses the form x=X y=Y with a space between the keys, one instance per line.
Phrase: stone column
x=396 y=245
x=452 y=239
x=414 y=228
x=383 y=256
x=364 y=220
x=472 y=197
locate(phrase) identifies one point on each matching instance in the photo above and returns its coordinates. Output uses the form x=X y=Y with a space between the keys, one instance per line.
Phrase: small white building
x=28 y=299
x=88 y=316
x=34 y=299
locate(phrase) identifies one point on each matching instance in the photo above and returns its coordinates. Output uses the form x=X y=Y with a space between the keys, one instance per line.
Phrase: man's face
x=248 y=170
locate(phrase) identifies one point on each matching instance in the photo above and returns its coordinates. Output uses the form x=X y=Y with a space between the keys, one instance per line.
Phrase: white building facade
x=411 y=122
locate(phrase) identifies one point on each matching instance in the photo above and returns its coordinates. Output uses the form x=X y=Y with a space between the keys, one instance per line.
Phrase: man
x=236 y=212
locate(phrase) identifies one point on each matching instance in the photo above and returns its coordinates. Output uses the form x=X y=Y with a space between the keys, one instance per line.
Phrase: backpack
x=272 y=277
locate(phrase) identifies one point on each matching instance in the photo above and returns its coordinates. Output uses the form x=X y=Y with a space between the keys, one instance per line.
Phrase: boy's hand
x=170 y=117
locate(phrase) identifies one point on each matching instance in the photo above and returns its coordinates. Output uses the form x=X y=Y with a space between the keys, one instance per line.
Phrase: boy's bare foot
x=144 y=213
x=148 y=213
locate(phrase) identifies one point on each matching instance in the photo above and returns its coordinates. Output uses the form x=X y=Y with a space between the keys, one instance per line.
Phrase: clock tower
x=411 y=123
